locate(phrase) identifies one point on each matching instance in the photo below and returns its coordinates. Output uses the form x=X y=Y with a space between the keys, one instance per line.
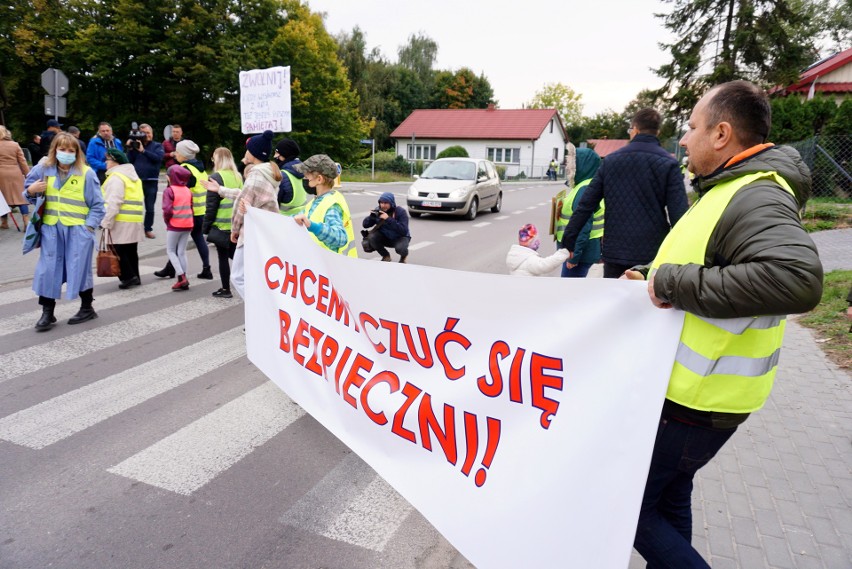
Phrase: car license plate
x=431 y=204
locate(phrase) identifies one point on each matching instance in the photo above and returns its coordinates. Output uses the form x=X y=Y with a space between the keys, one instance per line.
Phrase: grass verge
x=829 y=322
x=381 y=176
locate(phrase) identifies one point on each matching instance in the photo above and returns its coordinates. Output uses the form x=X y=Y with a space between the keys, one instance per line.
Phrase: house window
x=421 y=151
x=551 y=125
x=504 y=155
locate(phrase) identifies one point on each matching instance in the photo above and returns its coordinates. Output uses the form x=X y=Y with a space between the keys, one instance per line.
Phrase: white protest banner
x=517 y=414
x=265 y=100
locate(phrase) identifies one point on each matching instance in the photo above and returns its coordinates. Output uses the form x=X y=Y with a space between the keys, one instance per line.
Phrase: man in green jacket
x=737 y=263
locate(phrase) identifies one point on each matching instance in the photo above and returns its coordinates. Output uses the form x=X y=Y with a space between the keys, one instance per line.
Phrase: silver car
x=456 y=186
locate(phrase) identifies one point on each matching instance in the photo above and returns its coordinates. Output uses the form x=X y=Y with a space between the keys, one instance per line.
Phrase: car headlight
x=461 y=193
x=412 y=191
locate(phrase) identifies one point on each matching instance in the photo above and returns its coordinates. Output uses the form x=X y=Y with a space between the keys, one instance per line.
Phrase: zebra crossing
x=350 y=504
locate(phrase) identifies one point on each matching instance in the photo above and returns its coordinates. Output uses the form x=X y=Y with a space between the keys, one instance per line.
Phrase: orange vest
x=182 y=208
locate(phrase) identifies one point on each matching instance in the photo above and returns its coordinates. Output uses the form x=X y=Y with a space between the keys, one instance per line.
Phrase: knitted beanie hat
x=187 y=149
x=260 y=145
x=118 y=156
x=528 y=237
x=288 y=149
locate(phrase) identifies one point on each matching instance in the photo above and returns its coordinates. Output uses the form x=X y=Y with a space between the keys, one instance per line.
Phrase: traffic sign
x=367 y=141
x=54 y=82
x=55 y=106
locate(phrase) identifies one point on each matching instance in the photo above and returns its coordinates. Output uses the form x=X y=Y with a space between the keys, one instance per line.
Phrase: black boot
x=47 y=319
x=168 y=272
x=83 y=315
x=205 y=273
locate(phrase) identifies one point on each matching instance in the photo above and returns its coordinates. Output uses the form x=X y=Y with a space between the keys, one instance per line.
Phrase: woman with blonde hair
x=260 y=191
x=73 y=209
x=219 y=213
x=13 y=168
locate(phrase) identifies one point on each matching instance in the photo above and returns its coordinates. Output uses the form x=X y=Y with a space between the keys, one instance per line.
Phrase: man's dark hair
x=647 y=121
x=745 y=106
x=100 y=124
x=177 y=126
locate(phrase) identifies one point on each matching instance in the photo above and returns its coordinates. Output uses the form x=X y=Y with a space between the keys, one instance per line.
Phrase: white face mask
x=66 y=157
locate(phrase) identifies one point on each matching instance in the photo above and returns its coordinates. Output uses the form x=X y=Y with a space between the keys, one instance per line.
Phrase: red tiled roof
x=814 y=72
x=507 y=124
x=823 y=88
x=604 y=146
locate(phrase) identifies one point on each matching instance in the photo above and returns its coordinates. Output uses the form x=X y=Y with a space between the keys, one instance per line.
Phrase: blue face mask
x=66 y=158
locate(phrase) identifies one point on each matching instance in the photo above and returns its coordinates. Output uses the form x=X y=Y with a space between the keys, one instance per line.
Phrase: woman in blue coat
x=73 y=209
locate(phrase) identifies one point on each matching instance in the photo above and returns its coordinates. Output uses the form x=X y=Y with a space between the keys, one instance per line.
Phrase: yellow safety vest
x=67 y=204
x=300 y=197
x=568 y=210
x=722 y=364
x=318 y=215
x=132 y=208
x=226 y=206
x=199 y=192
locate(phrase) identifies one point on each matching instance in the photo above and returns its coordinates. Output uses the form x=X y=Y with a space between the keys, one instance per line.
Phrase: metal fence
x=830 y=161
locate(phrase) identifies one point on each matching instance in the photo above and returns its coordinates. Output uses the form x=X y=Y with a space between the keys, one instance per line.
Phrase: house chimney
x=490 y=107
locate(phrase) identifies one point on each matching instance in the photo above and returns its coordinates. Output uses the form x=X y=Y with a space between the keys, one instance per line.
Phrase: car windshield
x=450 y=170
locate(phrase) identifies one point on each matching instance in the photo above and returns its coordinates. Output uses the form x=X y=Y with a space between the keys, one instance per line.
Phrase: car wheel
x=414 y=213
x=471 y=212
x=498 y=204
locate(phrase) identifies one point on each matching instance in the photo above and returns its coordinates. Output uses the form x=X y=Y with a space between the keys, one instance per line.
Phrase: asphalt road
x=146 y=439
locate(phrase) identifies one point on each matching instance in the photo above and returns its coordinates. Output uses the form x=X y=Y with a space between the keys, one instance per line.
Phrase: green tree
x=768 y=41
x=325 y=108
x=419 y=55
x=453 y=152
x=461 y=89
x=562 y=98
x=608 y=124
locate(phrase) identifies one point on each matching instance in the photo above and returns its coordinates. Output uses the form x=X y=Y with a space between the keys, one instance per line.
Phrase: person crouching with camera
x=390 y=228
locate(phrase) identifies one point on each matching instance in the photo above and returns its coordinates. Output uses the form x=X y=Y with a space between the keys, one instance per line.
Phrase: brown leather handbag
x=108 y=265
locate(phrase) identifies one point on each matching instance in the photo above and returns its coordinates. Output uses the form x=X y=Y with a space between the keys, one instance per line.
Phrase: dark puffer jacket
x=642 y=188
x=396 y=225
x=759 y=260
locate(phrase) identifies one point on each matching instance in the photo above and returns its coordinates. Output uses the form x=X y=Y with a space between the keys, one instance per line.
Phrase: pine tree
x=766 y=41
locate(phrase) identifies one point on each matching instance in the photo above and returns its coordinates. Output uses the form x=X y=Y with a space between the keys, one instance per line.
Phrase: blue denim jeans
x=578 y=272
x=665 y=520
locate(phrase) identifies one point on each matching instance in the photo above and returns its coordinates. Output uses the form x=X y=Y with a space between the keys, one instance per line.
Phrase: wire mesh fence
x=830 y=161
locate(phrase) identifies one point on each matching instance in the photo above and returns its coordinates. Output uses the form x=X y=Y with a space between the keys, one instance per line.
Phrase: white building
x=521 y=140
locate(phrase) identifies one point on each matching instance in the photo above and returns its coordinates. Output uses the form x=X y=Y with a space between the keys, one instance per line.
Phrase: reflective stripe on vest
x=67 y=204
x=132 y=209
x=182 y=208
x=300 y=197
x=568 y=210
x=318 y=216
x=226 y=206
x=722 y=364
x=199 y=192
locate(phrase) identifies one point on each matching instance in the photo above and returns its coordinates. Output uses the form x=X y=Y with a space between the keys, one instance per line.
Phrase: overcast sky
x=603 y=49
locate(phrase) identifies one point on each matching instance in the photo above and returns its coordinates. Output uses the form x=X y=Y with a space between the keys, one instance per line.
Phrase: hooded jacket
x=114 y=195
x=759 y=260
x=396 y=225
x=585 y=250
x=524 y=261
x=285 y=187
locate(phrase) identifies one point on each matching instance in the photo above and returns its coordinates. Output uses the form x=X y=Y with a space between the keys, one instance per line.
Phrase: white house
x=521 y=140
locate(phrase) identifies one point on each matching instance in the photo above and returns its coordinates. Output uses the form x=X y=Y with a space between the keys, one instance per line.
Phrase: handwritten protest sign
x=517 y=414
x=265 y=100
